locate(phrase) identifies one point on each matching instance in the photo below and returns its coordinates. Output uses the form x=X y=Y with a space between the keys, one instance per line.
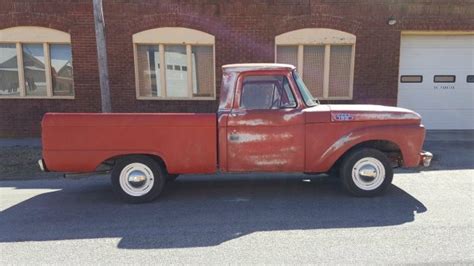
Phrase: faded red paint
x=300 y=139
x=80 y=142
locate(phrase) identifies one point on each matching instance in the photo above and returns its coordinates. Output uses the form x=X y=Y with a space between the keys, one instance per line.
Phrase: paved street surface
x=425 y=217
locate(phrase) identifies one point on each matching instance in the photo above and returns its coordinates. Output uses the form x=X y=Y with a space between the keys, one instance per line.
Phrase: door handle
x=236 y=114
x=233 y=137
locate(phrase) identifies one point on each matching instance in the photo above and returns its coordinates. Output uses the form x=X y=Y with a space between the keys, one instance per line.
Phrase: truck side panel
x=327 y=142
x=187 y=143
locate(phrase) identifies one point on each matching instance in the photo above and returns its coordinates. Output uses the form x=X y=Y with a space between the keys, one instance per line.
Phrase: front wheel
x=138 y=179
x=366 y=172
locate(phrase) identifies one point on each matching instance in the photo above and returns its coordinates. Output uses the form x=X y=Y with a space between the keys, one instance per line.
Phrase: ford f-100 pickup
x=267 y=121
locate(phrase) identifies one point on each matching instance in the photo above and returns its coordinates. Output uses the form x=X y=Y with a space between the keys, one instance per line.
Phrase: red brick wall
x=245 y=31
x=22 y=117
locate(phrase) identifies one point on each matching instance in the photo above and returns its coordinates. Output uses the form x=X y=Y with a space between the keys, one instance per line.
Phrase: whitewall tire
x=366 y=172
x=138 y=178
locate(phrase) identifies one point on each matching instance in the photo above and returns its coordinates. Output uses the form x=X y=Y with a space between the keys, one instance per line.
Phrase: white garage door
x=437 y=79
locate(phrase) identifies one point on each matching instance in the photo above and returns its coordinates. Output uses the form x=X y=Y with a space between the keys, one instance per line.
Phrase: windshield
x=307 y=97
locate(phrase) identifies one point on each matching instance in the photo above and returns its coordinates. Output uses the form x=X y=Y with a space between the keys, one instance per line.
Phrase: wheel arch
x=407 y=138
x=109 y=163
x=390 y=148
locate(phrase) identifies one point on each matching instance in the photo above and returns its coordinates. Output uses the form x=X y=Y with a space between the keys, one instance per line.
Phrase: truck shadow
x=197 y=211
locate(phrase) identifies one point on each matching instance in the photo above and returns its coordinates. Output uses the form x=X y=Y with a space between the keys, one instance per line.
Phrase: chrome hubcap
x=136 y=179
x=368 y=173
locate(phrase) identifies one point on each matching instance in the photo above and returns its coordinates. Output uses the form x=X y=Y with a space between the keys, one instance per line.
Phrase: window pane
x=8 y=71
x=287 y=55
x=176 y=80
x=34 y=66
x=203 y=71
x=61 y=69
x=444 y=78
x=411 y=79
x=340 y=71
x=287 y=97
x=307 y=97
x=313 y=69
x=148 y=64
x=266 y=92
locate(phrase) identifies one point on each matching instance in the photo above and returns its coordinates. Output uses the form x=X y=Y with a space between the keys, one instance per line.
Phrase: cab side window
x=266 y=92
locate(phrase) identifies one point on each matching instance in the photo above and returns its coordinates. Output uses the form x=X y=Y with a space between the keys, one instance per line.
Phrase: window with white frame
x=35 y=62
x=323 y=57
x=174 y=63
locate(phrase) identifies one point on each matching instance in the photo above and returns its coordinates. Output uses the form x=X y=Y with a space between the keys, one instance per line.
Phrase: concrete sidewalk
x=18 y=159
x=27 y=142
x=449 y=135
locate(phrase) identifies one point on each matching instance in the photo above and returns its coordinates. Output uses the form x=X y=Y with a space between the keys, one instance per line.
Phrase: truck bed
x=80 y=142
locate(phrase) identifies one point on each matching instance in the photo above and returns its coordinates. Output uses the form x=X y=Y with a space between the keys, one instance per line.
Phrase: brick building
x=165 y=56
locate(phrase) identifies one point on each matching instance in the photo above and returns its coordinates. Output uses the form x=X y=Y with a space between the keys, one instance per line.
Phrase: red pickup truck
x=267 y=121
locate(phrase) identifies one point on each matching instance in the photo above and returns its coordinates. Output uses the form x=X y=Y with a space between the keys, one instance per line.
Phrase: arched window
x=174 y=63
x=35 y=62
x=324 y=58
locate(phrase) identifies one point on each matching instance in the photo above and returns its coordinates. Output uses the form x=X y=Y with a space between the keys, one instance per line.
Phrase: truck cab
x=261 y=120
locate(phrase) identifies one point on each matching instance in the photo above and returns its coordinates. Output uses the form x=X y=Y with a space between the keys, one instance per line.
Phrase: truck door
x=265 y=129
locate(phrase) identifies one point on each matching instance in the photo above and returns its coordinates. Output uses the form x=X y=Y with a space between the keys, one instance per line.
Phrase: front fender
x=409 y=138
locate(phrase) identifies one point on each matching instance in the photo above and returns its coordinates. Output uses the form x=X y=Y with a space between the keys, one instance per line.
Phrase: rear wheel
x=366 y=172
x=138 y=179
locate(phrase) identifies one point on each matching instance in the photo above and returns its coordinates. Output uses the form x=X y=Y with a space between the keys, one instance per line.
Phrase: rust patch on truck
x=247 y=137
x=253 y=122
x=340 y=143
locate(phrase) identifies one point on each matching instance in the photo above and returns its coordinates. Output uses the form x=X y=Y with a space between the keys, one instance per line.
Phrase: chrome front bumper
x=425 y=158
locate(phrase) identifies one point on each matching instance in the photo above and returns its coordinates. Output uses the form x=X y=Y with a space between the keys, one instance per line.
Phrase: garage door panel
x=447 y=119
x=442 y=105
x=445 y=59
x=437 y=41
x=428 y=79
x=442 y=99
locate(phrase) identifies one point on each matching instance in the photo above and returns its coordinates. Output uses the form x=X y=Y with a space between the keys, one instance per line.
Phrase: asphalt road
x=425 y=217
